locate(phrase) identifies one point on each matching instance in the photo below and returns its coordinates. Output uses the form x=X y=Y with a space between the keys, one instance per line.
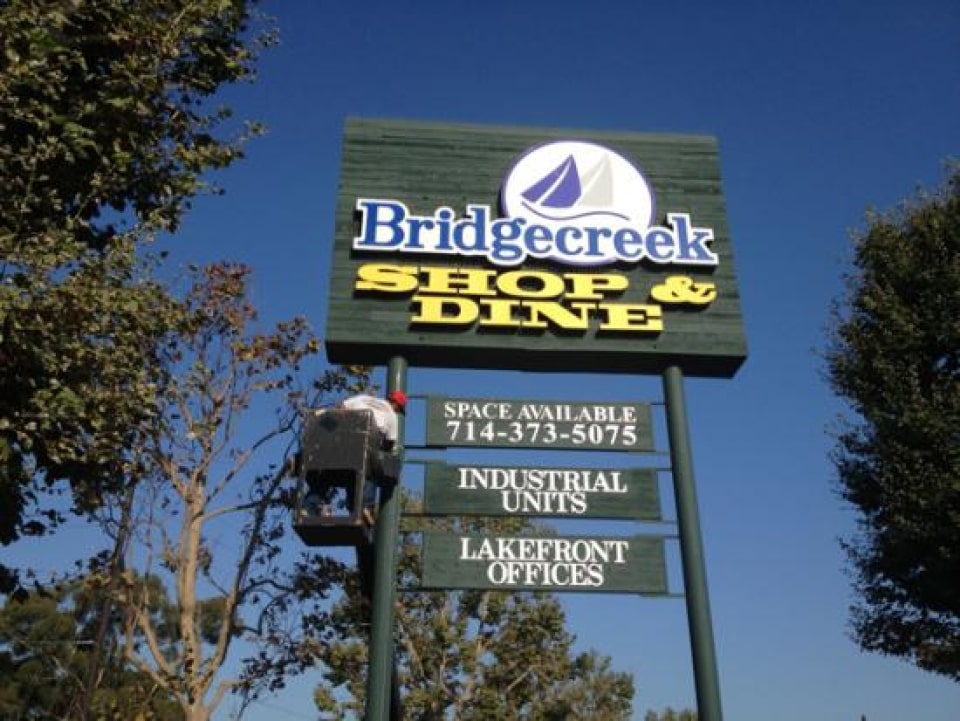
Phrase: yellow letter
x=586 y=286
x=557 y=314
x=464 y=281
x=500 y=313
x=682 y=289
x=512 y=283
x=449 y=310
x=631 y=317
x=386 y=278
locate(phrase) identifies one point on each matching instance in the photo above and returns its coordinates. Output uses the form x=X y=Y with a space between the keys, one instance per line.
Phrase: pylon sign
x=517 y=248
x=460 y=246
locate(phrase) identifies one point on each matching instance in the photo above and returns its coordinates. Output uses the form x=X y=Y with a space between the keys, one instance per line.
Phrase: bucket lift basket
x=339 y=450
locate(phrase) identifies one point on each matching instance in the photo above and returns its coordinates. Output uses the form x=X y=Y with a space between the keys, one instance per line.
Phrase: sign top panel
x=532 y=249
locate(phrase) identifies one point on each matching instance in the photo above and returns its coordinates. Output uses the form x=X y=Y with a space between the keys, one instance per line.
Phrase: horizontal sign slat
x=463 y=422
x=476 y=490
x=515 y=563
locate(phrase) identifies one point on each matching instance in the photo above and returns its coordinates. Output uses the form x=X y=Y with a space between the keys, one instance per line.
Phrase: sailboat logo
x=566 y=183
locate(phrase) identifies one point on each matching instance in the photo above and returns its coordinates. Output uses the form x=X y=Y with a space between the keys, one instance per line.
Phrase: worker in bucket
x=384 y=411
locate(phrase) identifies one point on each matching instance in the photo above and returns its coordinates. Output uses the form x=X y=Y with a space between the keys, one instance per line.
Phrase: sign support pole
x=691 y=550
x=384 y=577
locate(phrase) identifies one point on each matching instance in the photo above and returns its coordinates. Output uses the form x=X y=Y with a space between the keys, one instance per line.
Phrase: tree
x=895 y=358
x=115 y=389
x=47 y=647
x=207 y=493
x=469 y=655
x=106 y=131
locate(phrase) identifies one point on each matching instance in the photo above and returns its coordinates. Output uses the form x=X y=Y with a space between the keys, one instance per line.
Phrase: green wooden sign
x=542 y=563
x=533 y=249
x=465 y=422
x=476 y=490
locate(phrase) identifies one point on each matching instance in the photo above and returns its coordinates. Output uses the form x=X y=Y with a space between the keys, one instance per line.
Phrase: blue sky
x=822 y=109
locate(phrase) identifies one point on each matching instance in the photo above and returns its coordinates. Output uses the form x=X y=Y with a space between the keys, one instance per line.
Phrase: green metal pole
x=384 y=574
x=691 y=551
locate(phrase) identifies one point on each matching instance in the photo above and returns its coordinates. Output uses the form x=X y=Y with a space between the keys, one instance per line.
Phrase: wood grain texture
x=428 y=165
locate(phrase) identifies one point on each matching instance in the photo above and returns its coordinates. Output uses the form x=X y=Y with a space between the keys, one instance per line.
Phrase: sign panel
x=537 y=249
x=476 y=490
x=464 y=422
x=634 y=564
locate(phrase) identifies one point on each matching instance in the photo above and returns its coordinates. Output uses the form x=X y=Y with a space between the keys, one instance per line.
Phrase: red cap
x=398 y=397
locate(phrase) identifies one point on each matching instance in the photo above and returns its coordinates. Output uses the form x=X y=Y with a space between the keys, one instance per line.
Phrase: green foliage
x=470 y=655
x=895 y=357
x=130 y=398
x=106 y=127
x=105 y=112
x=48 y=643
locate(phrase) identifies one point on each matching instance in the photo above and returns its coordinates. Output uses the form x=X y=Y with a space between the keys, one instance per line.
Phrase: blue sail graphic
x=568 y=197
x=560 y=188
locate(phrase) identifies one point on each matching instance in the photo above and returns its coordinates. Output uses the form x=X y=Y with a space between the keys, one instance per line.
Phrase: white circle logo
x=576 y=184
